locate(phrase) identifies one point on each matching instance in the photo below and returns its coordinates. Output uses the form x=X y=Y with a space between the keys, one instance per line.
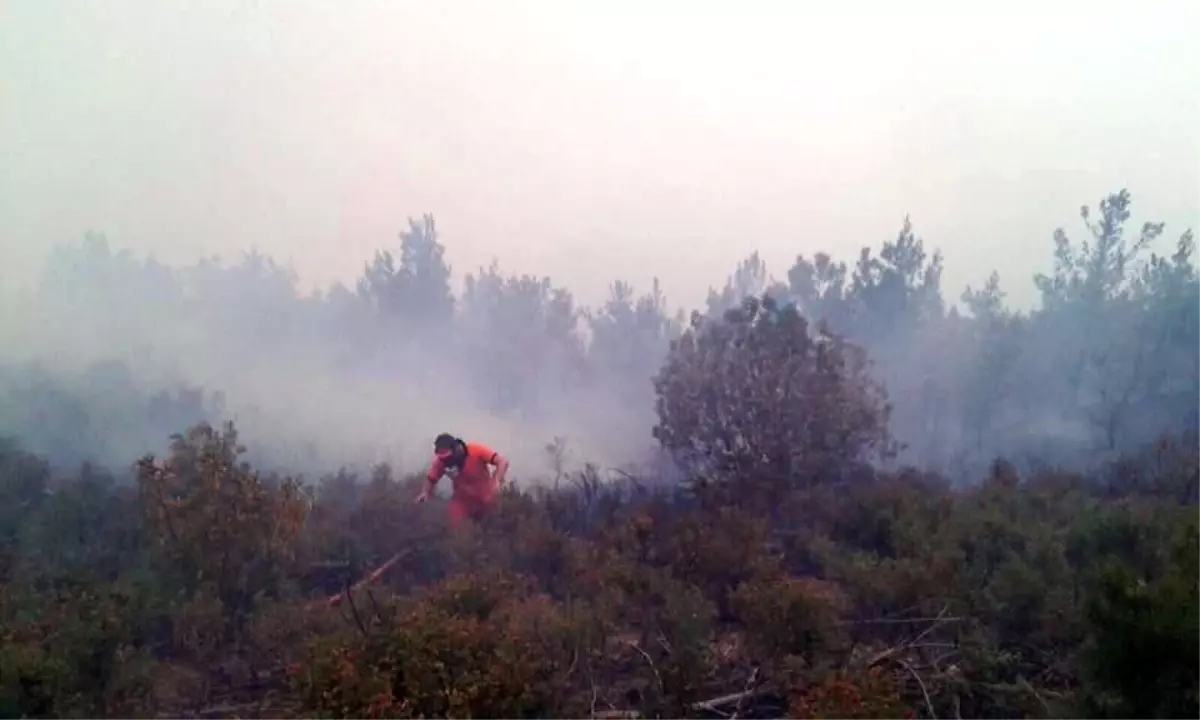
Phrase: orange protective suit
x=475 y=490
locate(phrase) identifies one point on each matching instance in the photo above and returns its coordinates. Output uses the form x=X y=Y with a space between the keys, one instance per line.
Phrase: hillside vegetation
x=853 y=500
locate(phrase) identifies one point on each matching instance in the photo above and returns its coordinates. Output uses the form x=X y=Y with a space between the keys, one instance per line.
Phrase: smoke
x=109 y=353
x=313 y=382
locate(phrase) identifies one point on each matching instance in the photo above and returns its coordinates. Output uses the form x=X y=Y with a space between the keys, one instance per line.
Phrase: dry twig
x=354 y=610
x=649 y=661
x=924 y=691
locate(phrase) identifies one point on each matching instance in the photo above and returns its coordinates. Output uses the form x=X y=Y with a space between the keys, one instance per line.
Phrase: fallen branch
x=916 y=641
x=711 y=706
x=718 y=702
x=335 y=600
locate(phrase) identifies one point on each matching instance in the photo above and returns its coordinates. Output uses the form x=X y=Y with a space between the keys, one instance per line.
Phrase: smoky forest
x=839 y=489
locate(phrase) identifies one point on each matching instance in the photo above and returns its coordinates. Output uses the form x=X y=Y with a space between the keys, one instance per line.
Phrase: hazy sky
x=590 y=141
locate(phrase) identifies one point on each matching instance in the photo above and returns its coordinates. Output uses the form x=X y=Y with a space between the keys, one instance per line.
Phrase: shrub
x=759 y=397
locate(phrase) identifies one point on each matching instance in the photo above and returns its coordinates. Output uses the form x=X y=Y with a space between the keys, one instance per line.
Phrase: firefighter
x=476 y=485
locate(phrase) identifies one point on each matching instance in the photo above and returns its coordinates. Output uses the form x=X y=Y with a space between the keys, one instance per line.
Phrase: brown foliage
x=892 y=595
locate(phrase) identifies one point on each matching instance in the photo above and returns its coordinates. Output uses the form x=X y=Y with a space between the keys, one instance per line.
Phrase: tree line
x=115 y=349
